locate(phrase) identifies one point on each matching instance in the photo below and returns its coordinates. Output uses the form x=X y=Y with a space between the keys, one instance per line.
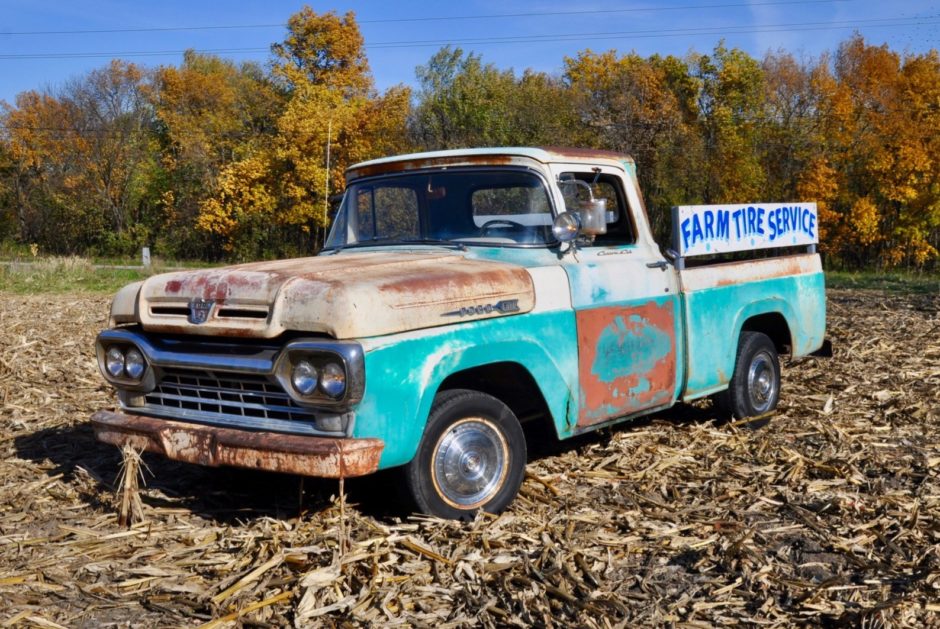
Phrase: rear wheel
x=755 y=384
x=472 y=456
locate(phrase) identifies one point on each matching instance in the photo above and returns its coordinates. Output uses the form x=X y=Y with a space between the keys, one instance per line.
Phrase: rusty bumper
x=214 y=446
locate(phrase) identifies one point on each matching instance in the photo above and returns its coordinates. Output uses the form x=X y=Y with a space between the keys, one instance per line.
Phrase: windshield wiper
x=402 y=241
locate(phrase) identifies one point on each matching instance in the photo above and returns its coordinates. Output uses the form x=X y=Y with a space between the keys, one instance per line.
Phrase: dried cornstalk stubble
x=828 y=516
x=130 y=478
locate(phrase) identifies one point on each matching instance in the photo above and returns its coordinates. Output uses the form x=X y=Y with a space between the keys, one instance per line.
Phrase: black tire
x=754 y=389
x=472 y=456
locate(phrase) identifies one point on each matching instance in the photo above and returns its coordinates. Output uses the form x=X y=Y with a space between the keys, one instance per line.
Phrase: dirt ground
x=829 y=515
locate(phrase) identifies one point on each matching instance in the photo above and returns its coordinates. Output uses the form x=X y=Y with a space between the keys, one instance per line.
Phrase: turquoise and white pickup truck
x=460 y=296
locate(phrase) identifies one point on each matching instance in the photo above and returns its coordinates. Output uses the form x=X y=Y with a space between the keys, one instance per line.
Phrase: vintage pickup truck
x=460 y=296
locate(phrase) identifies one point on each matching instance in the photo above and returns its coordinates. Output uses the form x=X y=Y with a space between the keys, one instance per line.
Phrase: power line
x=130 y=53
x=717 y=30
x=494 y=16
x=519 y=39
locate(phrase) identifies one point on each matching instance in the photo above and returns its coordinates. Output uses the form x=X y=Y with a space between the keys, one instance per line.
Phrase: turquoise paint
x=522 y=256
x=404 y=372
x=715 y=317
x=598 y=294
x=628 y=347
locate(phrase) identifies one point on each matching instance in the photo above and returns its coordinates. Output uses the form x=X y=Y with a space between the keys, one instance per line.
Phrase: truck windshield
x=460 y=207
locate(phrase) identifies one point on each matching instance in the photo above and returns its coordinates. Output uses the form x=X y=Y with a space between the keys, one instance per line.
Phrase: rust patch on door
x=626 y=360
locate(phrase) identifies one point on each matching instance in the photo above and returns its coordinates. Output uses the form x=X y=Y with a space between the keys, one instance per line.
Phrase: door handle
x=661 y=265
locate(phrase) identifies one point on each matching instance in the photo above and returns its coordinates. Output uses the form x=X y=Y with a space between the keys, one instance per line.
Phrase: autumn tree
x=880 y=119
x=636 y=106
x=282 y=184
x=81 y=160
x=210 y=113
x=8 y=226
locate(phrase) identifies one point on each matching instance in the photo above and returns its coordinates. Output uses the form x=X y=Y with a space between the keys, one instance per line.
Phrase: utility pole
x=326 y=182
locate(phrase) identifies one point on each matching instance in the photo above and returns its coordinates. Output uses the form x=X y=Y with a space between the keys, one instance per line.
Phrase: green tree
x=462 y=102
x=730 y=102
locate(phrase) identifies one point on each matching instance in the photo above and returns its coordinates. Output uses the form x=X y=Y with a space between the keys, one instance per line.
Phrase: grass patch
x=158 y=262
x=921 y=283
x=63 y=275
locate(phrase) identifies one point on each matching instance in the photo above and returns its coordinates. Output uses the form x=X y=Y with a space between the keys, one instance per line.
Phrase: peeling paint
x=378 y=293
x=360 y=171
x=627 y=360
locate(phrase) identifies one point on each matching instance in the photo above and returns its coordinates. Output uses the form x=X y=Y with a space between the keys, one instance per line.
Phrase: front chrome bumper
x=326 y=457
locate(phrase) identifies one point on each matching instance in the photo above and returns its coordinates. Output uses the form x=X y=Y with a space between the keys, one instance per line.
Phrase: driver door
x=625 y=303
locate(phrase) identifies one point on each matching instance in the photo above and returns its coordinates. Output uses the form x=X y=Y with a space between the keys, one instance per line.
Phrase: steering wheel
x=500 y=222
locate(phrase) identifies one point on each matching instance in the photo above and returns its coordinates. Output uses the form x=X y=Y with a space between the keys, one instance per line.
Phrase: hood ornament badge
x=199 y=310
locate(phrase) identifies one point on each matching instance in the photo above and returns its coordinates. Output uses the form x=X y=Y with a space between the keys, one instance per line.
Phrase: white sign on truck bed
x=711 y=229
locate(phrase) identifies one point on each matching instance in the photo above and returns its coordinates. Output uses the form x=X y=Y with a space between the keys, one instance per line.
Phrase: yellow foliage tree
x=329 y=100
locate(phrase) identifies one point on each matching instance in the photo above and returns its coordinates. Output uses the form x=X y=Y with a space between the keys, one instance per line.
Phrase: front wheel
x=472 y=456
x=755 y=384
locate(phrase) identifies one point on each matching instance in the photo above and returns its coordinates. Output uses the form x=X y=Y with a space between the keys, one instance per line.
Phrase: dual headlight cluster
x=125 y=363
x=312 y=372
x=309 y=376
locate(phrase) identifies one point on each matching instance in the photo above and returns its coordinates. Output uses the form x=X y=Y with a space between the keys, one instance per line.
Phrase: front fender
x=405 y=371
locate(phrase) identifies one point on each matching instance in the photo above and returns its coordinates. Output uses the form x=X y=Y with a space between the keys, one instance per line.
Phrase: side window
x=620 y=230
x=387 y=213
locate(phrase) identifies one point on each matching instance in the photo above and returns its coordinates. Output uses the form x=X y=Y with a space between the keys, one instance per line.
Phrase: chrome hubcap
x=762 y=382
x=470 y=463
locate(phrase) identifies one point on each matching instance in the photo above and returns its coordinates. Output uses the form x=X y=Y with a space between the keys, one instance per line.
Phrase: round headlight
x=566 y=226
x=134 y=364
x=304 y=378
x=114 y=362
x=333 y=380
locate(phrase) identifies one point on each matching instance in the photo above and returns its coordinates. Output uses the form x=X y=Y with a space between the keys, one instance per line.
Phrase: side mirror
x=593 y=216
x=566 y=227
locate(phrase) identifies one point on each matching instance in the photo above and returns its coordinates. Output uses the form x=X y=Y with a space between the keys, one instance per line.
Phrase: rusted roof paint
x=586 y=153
x=409 y=163
x=503 y=156
x=626 y=360
x=376 y=294
x=215 y=446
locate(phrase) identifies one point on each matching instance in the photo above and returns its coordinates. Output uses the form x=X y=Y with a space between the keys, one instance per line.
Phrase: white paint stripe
x=732 y=273
x=551 y=288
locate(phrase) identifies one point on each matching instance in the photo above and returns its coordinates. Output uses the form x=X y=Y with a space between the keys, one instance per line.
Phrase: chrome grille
x=241 y=400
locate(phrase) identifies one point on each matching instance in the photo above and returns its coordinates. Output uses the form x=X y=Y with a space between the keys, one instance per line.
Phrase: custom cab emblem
x=503 y=307
x=199 y=310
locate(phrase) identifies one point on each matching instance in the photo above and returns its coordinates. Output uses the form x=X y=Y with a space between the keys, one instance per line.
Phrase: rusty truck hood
x=345 y=296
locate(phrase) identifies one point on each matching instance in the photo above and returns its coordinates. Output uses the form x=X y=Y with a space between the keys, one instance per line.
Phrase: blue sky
x=399 y=36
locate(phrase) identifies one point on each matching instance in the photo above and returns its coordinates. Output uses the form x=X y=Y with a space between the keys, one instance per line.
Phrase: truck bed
x=718 y=299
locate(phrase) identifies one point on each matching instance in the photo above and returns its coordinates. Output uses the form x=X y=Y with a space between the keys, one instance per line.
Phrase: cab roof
x=484 y=157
